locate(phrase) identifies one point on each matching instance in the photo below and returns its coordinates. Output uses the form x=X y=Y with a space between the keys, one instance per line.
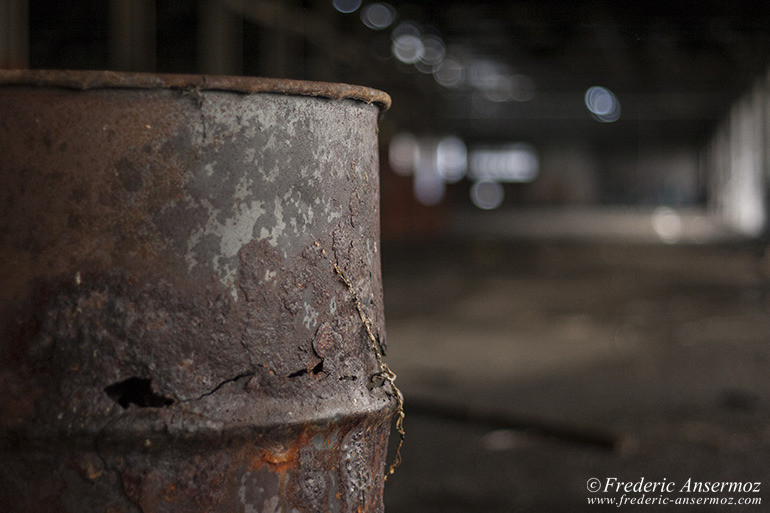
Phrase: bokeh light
x=449 y=73
x=347 y=6
x=402 y=153
x=428 y=190
x=408 y=48
x=435 y=50
x=378 y=16
x=511 y=163
x=429 y=186
x=406 y=28
x=451 y=159
x=667 y=224
x=602 y=104
x=487 y=194
x=484 y=74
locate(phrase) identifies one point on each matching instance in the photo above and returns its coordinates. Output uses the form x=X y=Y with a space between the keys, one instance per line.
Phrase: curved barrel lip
x=89 y=79
x=140 y=424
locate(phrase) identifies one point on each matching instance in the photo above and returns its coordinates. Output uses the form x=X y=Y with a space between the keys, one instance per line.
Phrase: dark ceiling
x=674 y=66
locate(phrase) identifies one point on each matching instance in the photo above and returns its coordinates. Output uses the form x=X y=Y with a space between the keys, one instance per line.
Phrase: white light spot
x=424 y=68
x=500 y=89
x=426 y=166
x=484 y=74
x=487 y=195
x=602 y=104
x=402 y=153
x=347 y=6
x=378 y=16
x=667 y=224
x=512 y=163
x=434 y=50
x=408 y=49
x=429 y=190
x=449 y=73
x=406 y=28
x=451 y=159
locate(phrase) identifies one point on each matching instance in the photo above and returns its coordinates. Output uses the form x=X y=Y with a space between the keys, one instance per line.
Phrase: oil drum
x=191 y=304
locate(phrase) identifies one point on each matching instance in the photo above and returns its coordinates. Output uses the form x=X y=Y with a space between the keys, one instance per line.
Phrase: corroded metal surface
x=99 y=79
x=176 y=335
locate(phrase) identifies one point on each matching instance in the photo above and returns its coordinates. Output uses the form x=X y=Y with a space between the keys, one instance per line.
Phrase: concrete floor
x=529 y=368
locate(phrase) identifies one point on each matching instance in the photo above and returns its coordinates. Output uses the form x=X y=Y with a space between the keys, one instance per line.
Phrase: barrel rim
x=102 y=79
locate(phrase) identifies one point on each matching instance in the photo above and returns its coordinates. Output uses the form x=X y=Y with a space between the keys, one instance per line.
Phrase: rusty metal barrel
x=191 y=304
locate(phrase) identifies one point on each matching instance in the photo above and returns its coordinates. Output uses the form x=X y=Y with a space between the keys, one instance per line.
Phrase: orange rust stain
x=279 y=461
x=283 y=459
x=93 y=472
x=170 y=494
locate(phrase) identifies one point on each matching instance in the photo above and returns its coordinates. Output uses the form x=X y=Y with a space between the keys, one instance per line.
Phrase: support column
x=14 y=34
x=220 y=39
x=132 y=35
x=738 y=163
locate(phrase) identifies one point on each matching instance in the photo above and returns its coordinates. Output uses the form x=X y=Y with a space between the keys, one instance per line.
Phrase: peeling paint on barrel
x=173 y=337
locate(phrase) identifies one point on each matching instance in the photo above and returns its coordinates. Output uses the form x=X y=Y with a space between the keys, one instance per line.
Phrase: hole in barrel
x=136 y=391
x=319 y=368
